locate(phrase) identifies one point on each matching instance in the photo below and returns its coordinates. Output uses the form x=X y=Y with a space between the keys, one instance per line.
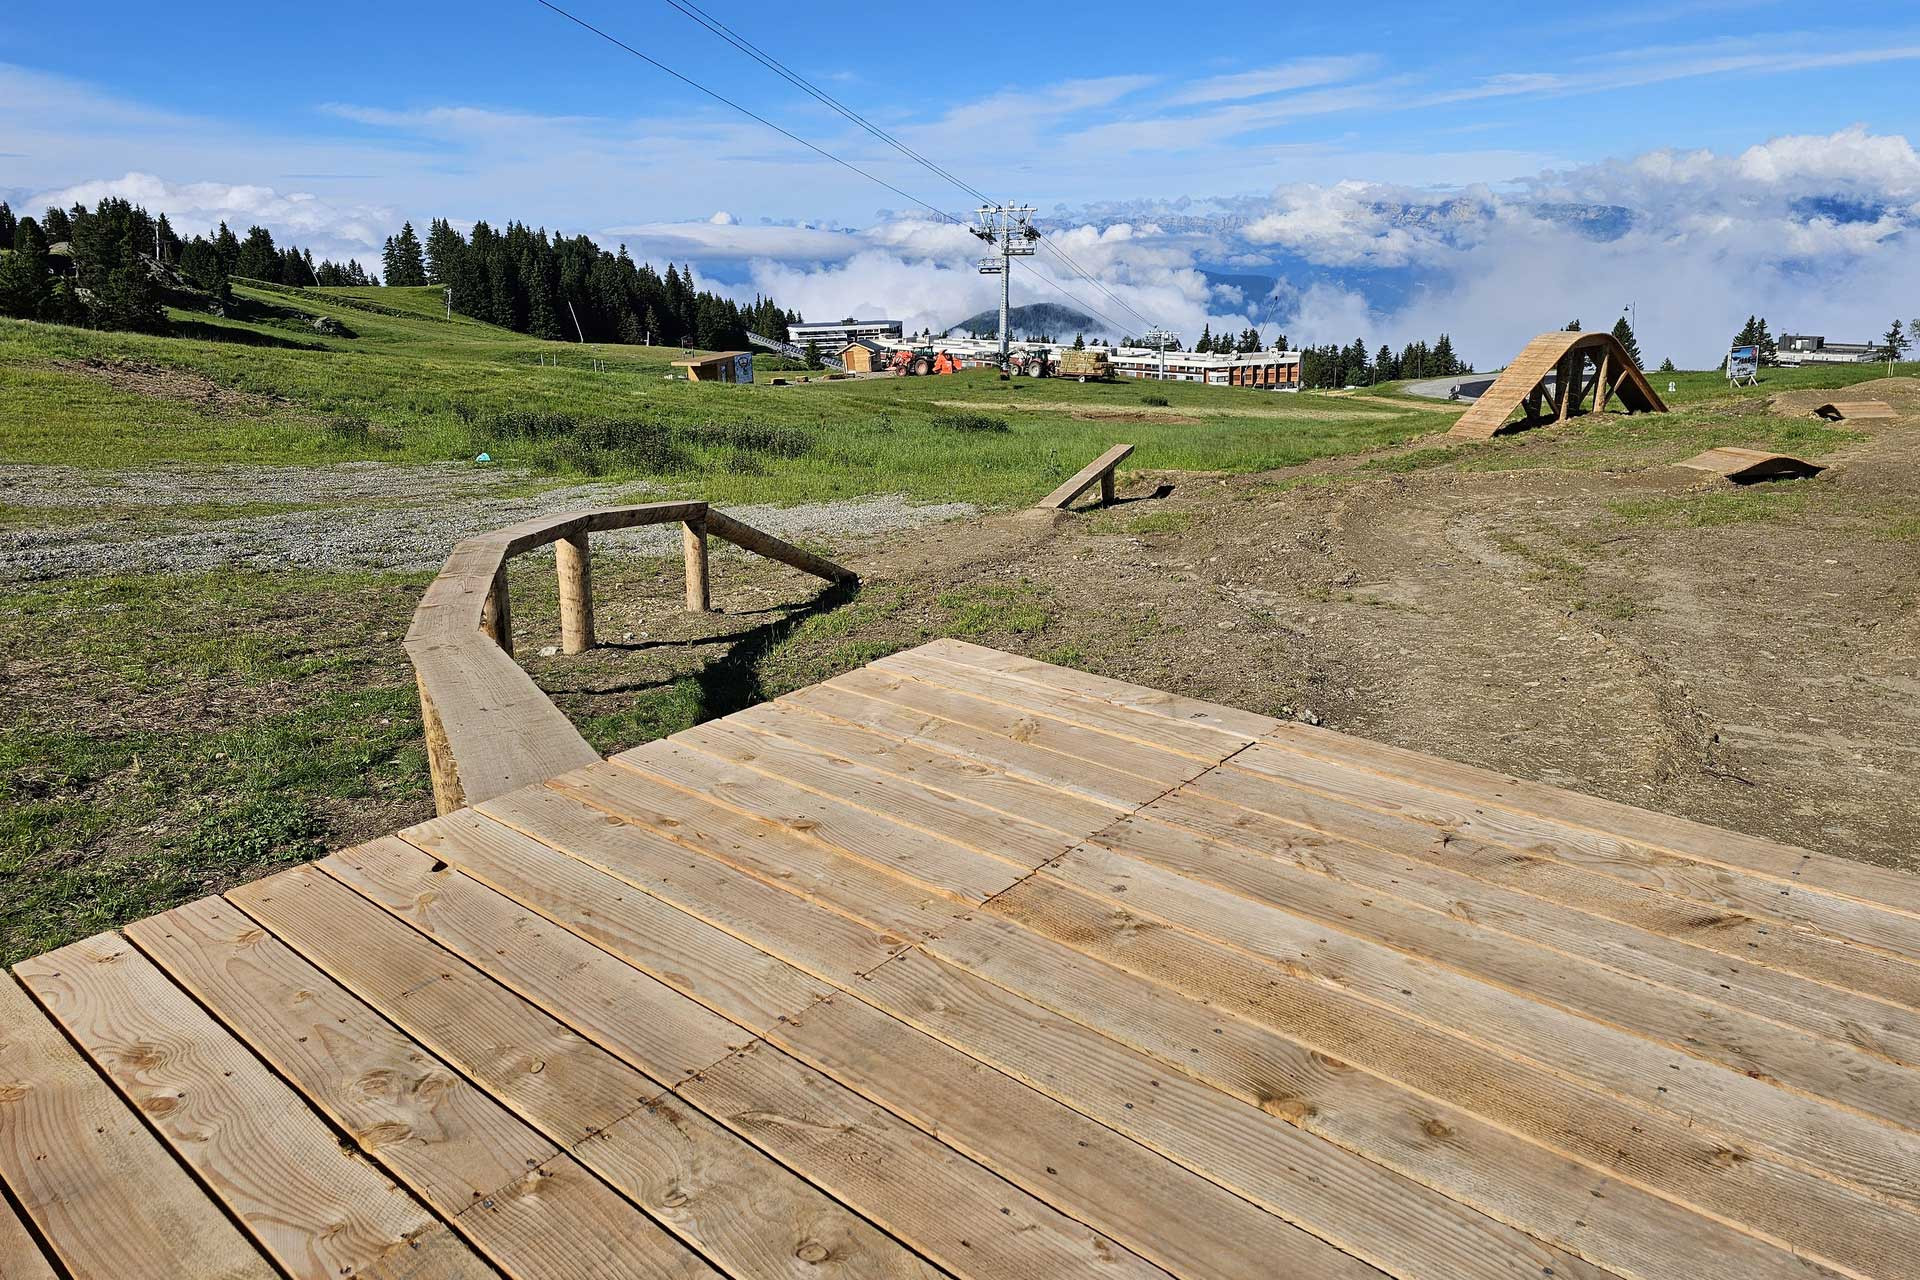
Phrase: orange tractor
x=922 y=362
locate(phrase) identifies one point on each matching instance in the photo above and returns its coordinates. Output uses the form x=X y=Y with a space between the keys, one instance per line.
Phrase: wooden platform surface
x=965 y=965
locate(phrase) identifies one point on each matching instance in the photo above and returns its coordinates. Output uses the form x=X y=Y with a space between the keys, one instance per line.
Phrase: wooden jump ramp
x=1563 y=355
x=1748 y=466
x=1855 y=410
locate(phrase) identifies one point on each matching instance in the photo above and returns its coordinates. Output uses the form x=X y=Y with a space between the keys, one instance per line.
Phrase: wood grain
x=318 y=1210
x=99 y=1186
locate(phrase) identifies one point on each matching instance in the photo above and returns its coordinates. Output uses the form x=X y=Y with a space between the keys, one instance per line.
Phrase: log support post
x=693 y=546
x=1600 y=388
x=496 y=615
x=575 y=572
x=1106 y=486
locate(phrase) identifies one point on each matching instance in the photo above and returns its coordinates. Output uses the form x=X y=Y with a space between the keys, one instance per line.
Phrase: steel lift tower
x=1009 y=229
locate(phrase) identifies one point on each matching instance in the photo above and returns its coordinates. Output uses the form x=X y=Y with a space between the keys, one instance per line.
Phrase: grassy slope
x=408 y=376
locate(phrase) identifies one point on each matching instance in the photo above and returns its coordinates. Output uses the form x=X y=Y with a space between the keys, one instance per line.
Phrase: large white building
x=832 y=337
x=1804 y=348
x=1270 y=370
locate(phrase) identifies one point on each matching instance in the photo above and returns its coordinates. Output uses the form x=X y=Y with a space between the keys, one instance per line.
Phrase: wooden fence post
x=575 y=573
x=496 y=615
x=693 y=545
x=1106 y=487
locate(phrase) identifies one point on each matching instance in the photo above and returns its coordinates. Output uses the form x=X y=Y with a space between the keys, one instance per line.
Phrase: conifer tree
x=26 y=286
x=403 y=262
x=1623 y=332
x=8 y=226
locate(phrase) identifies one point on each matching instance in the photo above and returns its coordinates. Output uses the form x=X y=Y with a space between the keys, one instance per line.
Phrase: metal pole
x=1006 y=287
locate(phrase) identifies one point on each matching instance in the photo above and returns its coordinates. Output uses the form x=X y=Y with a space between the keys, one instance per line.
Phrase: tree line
x=1336 y=366
x=565 y=287
x=115 y=266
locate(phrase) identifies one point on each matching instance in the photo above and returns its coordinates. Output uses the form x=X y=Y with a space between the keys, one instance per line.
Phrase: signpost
x=1743 y=366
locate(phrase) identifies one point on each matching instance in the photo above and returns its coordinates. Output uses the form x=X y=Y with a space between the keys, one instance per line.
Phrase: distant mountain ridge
x=1031 y=321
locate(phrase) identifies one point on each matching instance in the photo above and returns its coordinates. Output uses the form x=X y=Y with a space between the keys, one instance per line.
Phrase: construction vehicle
x=1088 y=365
x=921 y=361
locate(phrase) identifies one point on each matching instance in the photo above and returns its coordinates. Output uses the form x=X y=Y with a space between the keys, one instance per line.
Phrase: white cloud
x=1301 y=73
x=331 y=229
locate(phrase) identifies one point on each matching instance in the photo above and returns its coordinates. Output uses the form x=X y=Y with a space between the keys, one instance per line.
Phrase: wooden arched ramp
x=1564 y=356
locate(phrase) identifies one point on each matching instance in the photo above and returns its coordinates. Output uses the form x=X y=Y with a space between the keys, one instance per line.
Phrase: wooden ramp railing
x=489 y=728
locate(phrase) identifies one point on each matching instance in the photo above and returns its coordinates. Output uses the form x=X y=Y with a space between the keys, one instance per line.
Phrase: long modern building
x=831 y=337
x=1807 y=348
x=1265 y=370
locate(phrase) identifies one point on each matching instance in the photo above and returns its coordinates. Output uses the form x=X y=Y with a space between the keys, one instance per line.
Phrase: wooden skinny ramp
x=963 y=965
x=1100 y=469
x=1747 y=466
x=1854 y=410
x=1563 y=356
x=489 y=728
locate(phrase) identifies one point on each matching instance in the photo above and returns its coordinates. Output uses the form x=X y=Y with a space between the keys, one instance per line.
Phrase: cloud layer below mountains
x=1817 y=233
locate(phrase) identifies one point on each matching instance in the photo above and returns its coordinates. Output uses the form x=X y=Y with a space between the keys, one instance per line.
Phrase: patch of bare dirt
x=162 y=383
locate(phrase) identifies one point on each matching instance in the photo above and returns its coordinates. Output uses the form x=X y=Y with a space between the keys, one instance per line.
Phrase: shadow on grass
x=732 y=682
x=237 y=336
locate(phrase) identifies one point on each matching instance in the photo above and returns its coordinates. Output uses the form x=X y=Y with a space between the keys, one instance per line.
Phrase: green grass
x=414 y=386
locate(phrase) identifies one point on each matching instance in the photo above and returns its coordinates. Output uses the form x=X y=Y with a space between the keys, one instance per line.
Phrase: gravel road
x=351 y=516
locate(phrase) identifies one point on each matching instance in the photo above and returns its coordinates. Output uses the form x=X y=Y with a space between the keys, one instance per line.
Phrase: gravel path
x=364 y=516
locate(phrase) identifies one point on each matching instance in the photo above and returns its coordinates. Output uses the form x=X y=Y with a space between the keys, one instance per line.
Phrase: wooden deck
x=966 y=965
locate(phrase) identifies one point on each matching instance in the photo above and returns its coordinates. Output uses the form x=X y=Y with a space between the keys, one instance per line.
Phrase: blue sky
x=1385 y=174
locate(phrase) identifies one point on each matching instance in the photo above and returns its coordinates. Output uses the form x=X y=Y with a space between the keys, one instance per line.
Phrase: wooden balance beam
x=1101 y=469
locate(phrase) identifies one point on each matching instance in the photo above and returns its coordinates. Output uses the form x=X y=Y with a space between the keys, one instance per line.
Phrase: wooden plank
x=1254 y=855
x=1879 y=886
x=1323 y=936
x=1195 y=741
x=1057 y=1155
x=604 y=1102
x=103 y=1192
x=560 y=1083
x=1799 y=902
x=1086 y=477
x=946 y=1207
x=721 y=525
x=937 y=861
x=848 y=704
x=1610 y=1222
x=709 y=965
x=20 y=1257
x=1856 y=410
x=1018 y=843
x=973 y=782
x=1398 y=1223
x=749 y=909
x=1710 y=1172
x=1737 y=935
x=316 y=1209
x=912 y=1187
x=1232 y=721
x=800 y=861
x=502 y=730
x=1152 y=765
x=513 y=1194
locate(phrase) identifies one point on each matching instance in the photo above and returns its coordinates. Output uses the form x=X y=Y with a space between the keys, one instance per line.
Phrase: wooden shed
x=721 y=366
x=863 y=356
